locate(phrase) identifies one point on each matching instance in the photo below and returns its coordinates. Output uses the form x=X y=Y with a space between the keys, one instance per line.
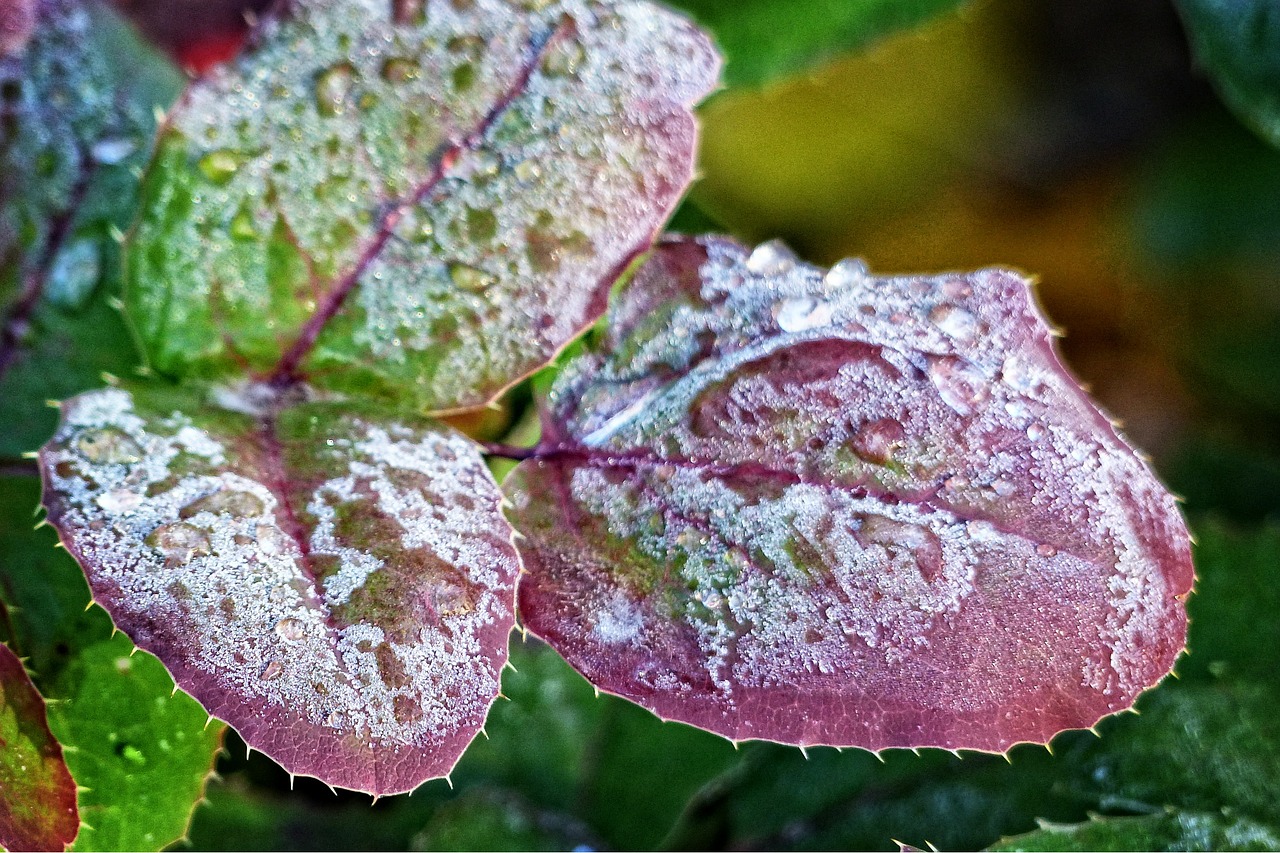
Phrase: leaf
x=1171 y=830
x=144 y=751
x=1195 y=746
x=760 y=49
x=79 y=108
x=37 y=795
x=424 y=209
x=335 y=584
x=1235 y=632
x=113 y=707
x=1238 y=43
x=494 y=820
x=845 y=510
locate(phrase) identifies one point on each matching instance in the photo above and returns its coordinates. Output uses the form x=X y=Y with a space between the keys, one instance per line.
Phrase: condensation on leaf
x=37 y=794
x=820 y=507
x=336 y=585
x=466 y=184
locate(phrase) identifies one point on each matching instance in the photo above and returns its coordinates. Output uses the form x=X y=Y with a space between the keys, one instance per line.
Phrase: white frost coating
x=948 y=391
x=579 y=166
x=204 y=555
x=618 y=621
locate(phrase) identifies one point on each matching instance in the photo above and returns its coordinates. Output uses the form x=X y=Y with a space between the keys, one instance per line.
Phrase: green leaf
x=1201 y=747
x=423 y=209
x=1170 y=830
x=108 y=695
x=1238 y=43
x=334 y=582
x=1235 y=632
x=762 y=41
x=493 y=820
x=80 y=105
x=37 y=795
x=144 y=750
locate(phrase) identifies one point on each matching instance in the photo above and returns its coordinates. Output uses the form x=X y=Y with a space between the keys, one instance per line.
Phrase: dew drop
x=469 y=278
x=108 y=446
x=1018 y=373
x=800 y=313
x=179 y=543
x=955 y=322
x=399 y=70
x=564 y=59
x=120 y=500
x=271 y=671
x=847 y=273
x=690 y=539
x=1044 y=549
x=333 y=89
x=772 y=258
x=271 y=540
x=876 y=440
x=960 y=384
x=219 y=166
x=230 y=502
x=112 y=150
x=290 y=629
x=74 y=274
x=242 y=226
x=528 y=170
x=1035 y=432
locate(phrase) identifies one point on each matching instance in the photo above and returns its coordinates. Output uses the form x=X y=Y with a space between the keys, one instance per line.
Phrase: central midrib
x=288 y=370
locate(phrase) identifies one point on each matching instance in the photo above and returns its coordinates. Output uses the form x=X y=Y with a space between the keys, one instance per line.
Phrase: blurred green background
x=1081 y=142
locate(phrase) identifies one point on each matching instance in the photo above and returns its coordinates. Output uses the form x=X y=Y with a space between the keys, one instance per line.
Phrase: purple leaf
x=37 y=794
x=424 y=205
x=335 y=583
x=822 y=507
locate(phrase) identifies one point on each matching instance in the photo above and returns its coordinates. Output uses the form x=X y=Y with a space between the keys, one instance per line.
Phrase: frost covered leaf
x=78 y=106
x=425 y=208
x=37 y=796
x=830 y=508
x=334 y=583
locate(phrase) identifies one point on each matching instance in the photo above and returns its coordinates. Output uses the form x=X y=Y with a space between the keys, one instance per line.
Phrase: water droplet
x=800 y=313
x=469 y=278
x=333 y=89
x=955 y=322
x=690 y=539
x=848 y=273
x=485 y=164
x=527 y=170
x=956 y=288
x=120 y=500
x=290 y=629
x=960 y=384
x=482 y=225
x=919 y=543
x=772 y=258
x=219 y=166
x=74 y=273
x=179 y=543
x=236 y=504
x=398 y=70
x=1044 y=549
x=242 y=225
x=876 y=440
x=564 y=59
x=272 y=541
x=108 y=446
x=1035 y=432
x=112 y=150
x=271 y=671
x=1018 y=373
